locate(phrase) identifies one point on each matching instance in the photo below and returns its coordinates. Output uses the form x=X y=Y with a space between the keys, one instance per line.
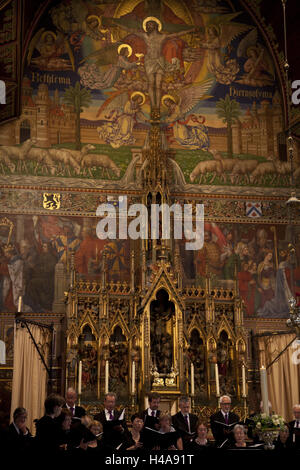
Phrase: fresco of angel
x=218 y=36
x=121 y=114
x=187 y=127
x=117 y=54
x=258 y=67
x=51 y=47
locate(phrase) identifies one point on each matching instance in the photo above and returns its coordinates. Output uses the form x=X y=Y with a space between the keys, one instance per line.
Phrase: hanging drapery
x=29 y=374
x=284 y=374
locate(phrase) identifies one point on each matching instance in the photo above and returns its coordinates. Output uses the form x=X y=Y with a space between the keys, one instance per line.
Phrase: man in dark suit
x=294 y=428
x=223 y=422
x=76 y=410
x=151 y=415
x=185 y=422
x=17 y=438
x=113 y=426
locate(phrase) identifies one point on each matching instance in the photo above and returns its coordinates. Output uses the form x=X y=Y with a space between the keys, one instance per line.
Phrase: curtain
x=284 y=374
x=29 y=374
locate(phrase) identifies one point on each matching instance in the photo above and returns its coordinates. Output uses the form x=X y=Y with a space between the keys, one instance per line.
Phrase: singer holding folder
x=113 y=422
x=223 y=422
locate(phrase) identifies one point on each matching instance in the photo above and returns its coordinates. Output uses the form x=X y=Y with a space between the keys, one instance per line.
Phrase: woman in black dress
x=170 y=438
x=133 y=438
x=200 y=442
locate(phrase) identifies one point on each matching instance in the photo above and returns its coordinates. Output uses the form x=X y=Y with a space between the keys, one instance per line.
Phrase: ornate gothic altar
x=152 y=331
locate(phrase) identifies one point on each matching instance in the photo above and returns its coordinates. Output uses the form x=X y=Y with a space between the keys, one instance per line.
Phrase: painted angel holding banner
x=187 y=128
x=121 y=113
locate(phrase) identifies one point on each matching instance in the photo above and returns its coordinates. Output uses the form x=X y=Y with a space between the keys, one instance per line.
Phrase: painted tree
x=229 y=111
x=79 y=98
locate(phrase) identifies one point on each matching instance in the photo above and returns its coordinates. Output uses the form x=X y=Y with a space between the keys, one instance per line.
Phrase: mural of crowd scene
x=36 y=254
x=93 y=70
x=258 y=256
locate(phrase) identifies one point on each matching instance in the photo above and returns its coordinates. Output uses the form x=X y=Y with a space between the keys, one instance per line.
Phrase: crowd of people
x=66 y=428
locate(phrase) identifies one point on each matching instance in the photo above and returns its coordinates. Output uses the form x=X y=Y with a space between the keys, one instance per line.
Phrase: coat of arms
x=51 y=201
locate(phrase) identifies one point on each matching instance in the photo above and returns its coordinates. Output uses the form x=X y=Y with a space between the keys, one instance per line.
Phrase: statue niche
x=162 y=317
x=118 y=363
x=225 y=364
x=88 y=355
x=196 y=354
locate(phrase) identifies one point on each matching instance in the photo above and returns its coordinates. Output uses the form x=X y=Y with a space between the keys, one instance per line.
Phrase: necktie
x=72 y=409
x=111 y=416
x=153 y=413
x=186 y=418
x=226 y=418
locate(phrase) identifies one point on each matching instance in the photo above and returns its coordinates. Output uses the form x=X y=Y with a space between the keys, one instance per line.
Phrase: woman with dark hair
x=47 y=428
x=200 y=442
x=133 y=438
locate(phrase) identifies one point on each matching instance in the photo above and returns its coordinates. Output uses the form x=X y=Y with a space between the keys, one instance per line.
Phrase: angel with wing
x=258 y=67
x=121 y=112
x=51 y=47
x=219 y=35
x=115 y=54
x=188 y=129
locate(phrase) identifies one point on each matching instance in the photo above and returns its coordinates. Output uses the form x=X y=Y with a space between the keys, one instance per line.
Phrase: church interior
x=150 y=207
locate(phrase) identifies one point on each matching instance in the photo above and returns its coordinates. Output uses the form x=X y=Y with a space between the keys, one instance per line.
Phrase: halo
x=92 y=17
x=123 y=46
x=214 y=27
x=251 y=48
x=152 y=18
x=135 y=93
x=172 y=98
x=47 y=33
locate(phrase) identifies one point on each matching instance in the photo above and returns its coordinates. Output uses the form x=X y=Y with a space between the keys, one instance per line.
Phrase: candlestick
x=79 y=377
x=106 y=375
x=192 y=380
x=217 y=380
x=244 y=394
x=133 y=378
x=264 y=389
x=20 y=304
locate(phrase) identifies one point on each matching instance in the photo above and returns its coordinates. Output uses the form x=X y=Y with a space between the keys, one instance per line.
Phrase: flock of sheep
x=60 y=161
x=235 y=171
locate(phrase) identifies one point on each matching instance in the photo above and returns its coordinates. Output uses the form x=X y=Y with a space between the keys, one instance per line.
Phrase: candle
x=79 y=377
x=264 y=389
x=106 y=376
x=192 y=380
x=19 y=304
x=133 y=378
x=244 y=381
x=217 y=380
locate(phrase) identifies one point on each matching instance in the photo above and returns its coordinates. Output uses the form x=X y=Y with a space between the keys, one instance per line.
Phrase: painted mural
x=94 y=70
x=257 y=255
x=36 y=255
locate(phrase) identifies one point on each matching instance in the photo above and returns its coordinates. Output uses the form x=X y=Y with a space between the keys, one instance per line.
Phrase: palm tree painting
x=79 y=98
x=229 y=111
